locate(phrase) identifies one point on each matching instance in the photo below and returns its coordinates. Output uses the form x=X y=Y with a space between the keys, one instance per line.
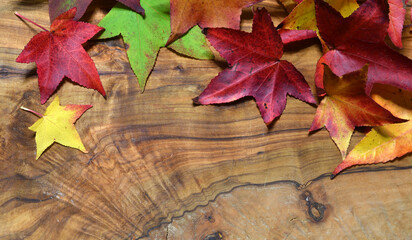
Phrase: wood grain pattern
x=322 y=209
x=157 y=165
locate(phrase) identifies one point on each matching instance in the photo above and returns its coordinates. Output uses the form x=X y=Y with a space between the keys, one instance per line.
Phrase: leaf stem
x=34 y=112
x=21 y=16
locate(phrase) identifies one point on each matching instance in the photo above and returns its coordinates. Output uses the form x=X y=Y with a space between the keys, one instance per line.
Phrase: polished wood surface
x=159 y=167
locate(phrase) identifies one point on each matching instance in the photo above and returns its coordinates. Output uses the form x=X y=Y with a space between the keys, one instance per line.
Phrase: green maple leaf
x=146 y=35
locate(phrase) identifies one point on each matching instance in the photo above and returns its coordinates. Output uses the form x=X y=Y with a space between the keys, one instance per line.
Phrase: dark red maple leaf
x=57 y=7
x=59 y=53
x=358 y=40
x=256 y=69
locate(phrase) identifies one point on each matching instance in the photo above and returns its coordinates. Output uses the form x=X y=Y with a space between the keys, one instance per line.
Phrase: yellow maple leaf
x=57 y=125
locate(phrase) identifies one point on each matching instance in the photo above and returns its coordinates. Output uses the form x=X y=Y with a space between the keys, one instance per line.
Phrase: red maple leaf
x=358 y=40
x=59 y=53
x=57 y=7
x=256 y=69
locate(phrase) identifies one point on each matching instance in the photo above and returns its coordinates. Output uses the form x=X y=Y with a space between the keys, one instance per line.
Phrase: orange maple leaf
x=388 y=142
x=347 y=106
x=185 y=14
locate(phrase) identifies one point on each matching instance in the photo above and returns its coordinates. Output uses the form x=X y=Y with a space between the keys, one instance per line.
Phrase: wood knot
x=214 y=236
x=315 y=210
x=179 y=68
x=210 y=218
